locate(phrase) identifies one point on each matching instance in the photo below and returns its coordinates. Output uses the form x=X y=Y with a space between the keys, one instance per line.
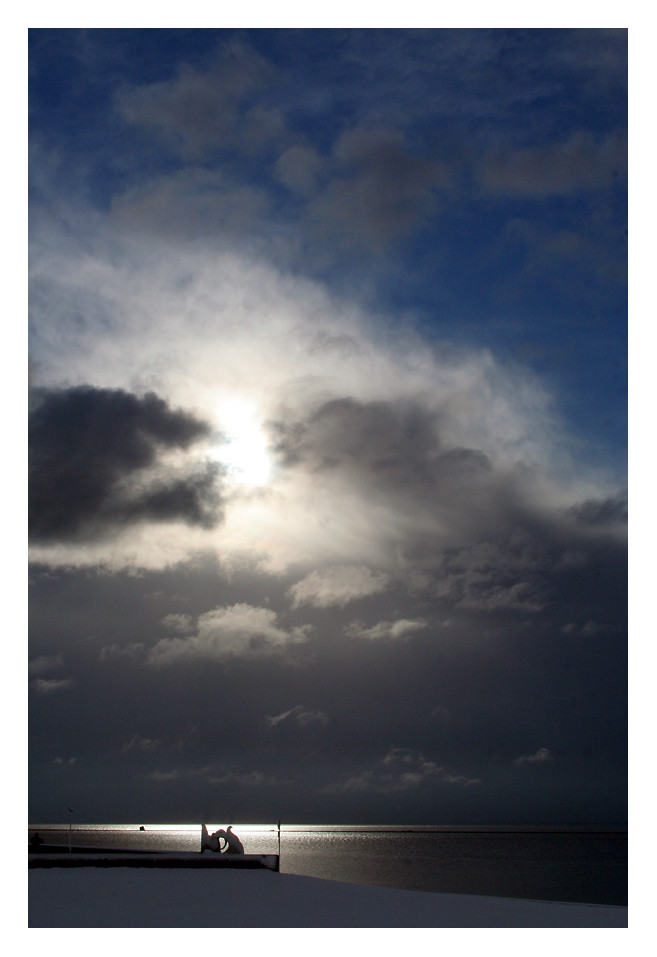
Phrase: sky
x=328 y=425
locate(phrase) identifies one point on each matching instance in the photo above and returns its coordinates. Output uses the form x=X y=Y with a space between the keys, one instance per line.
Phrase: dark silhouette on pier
x=212 y=842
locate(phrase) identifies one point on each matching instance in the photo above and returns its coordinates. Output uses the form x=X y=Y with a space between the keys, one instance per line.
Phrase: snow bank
x=128 y=897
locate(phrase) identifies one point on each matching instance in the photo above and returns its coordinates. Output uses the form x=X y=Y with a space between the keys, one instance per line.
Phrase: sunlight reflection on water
x=588 y=865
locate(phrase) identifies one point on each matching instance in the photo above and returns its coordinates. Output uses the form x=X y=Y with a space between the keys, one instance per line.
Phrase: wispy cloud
x=139 y=743
x=213 y=774
x=132 y=649
x=45 y=663
x=538 y=757
x=387 y=630
x=299 y=715
x=403 y=769
x=51 y=685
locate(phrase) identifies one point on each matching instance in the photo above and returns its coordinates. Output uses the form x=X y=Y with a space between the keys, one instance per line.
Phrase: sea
x=570 y=864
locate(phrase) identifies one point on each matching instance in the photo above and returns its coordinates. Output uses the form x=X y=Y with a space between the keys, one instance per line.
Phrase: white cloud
x=236 y=631
x=337 y=585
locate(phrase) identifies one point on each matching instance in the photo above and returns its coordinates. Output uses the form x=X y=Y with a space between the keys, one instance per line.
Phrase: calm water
x=566 y=864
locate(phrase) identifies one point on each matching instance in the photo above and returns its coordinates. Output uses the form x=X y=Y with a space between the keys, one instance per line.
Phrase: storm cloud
x=97 y=463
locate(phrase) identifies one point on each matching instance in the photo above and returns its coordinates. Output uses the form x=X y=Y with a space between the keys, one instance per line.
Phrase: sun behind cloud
x=244 y=449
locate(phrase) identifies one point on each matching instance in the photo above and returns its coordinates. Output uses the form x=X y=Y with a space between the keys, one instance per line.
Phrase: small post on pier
x=279 y=843
x=70 y=824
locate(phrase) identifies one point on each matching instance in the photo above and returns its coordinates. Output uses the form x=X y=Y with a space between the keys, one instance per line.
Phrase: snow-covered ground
x=154 y=897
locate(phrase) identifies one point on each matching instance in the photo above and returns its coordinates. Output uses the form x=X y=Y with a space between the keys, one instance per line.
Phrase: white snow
x=154 y=897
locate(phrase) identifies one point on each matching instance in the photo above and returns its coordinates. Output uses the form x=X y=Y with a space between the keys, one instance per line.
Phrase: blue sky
x=328 y=351
x=494 y=215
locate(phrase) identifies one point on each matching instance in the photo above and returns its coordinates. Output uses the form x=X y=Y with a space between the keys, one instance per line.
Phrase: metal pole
x=279 y=842
x=70 y=824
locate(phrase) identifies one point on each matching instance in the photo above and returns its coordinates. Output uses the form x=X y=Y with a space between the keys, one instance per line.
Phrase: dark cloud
x=381 y=188
x=513 y=625
x=392 y=455
x=298 y=168
x=392 y=446
x=200 y=111
x=554 y=169
x=471 y=538
x=46 y=663
x=607 y=512
x=93 y=464
x=589 y=247
x=192 y=203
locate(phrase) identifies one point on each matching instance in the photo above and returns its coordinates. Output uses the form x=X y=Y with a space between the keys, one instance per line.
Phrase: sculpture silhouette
x=212 y=842
x=233 y=843
x=209 y=842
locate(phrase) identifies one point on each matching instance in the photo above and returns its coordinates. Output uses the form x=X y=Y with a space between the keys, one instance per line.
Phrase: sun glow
x=244 y=447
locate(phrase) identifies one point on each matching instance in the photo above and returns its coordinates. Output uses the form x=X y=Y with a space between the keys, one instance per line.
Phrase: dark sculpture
x=213 y=842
